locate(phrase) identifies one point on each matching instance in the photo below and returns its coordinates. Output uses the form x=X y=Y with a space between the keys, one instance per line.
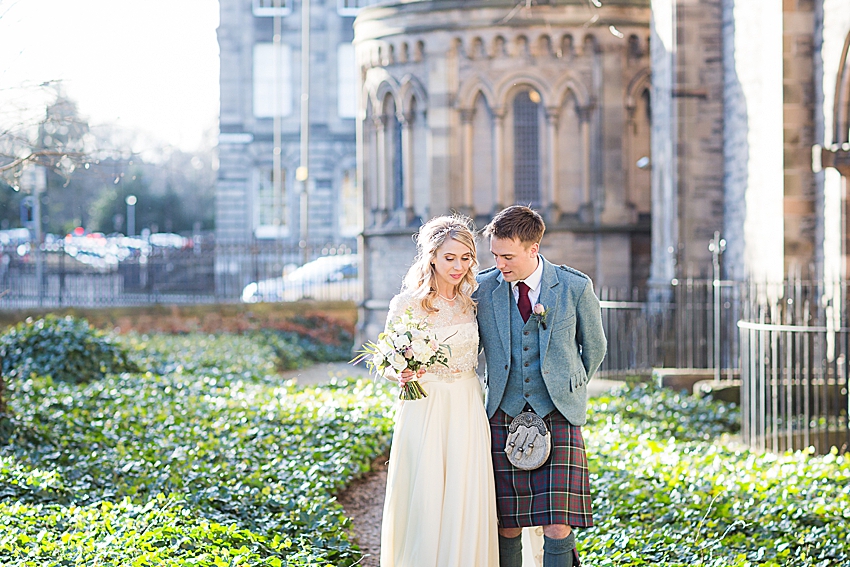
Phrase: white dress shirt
x=533 y=282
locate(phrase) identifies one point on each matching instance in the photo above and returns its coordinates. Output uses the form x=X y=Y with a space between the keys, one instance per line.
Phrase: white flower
x=401 y=341
x=386 y=348
x=539 y=309
x=422 y=351
x=379 y=360
x=398 y=362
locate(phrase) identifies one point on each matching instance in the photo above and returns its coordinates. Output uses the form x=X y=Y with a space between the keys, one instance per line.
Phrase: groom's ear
x=534 y=248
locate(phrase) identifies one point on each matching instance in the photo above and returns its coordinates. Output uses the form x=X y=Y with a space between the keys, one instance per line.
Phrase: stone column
x=753 y=146
x=665 y=226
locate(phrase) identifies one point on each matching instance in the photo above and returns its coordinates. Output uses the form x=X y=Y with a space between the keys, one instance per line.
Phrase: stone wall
x=799 y=135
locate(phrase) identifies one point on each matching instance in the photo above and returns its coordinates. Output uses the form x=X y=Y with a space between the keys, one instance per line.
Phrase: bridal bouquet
x=408 y=343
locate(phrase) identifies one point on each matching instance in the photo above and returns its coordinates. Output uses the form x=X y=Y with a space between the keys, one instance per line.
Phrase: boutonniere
x=540 y=313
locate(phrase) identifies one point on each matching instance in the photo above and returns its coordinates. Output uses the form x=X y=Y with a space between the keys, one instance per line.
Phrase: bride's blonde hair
x=421 y=278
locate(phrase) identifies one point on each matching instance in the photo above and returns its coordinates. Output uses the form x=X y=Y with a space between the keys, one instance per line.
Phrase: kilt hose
x=558 y=492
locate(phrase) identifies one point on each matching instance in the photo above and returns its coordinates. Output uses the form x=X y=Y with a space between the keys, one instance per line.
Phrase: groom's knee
x=510 y=532
x=557 y=531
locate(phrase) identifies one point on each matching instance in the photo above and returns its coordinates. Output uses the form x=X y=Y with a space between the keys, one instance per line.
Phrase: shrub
x=66 y=349
x=309 y=340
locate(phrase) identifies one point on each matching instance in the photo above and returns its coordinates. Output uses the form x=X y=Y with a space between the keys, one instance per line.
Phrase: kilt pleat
x=556 y=493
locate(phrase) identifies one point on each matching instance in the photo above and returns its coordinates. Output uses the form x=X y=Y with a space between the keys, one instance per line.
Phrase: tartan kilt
x=558 y=492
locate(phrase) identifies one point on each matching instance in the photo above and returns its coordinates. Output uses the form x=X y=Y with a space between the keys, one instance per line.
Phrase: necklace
x=446 y=298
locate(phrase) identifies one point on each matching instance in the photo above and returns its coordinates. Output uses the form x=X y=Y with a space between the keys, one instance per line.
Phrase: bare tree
x=58 y=140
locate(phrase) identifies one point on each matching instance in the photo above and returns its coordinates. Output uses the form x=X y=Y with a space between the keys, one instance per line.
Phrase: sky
x=148 y=66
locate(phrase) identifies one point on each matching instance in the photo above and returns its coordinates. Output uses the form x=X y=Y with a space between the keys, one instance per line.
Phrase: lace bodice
x=453 y=326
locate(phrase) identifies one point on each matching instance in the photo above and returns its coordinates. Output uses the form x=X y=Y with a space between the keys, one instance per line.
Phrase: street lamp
x=717 y=246
x=131 y=214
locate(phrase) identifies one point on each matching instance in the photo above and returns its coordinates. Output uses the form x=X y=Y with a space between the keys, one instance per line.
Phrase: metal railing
x=689 y=325
x=795 y=342
x=199 y=271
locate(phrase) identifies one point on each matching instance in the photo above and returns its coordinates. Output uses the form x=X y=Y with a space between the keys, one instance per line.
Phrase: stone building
x=473 y=106
x=744 y=90
x=258 y=198
x=639 y=128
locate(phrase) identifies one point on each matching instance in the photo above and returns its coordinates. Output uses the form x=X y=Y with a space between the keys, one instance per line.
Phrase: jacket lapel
x=549 y=300
x=502 y=310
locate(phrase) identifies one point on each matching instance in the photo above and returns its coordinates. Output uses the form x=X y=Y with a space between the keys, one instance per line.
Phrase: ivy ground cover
x=673 y=487
x=206 y=459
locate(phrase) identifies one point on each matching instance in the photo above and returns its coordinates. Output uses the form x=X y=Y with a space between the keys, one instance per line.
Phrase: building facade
x=639 y=128
x=259 y=197
x=747 y=94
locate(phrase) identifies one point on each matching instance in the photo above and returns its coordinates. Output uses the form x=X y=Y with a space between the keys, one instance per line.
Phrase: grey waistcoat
x=525 y=382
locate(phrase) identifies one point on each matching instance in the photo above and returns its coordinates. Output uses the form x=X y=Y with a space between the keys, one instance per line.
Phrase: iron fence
x=691 y=324
x=121 y=273
x=795 y=342
x=790 y=342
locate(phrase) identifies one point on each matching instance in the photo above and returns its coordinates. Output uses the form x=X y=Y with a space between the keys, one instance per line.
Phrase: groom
x=541 y=331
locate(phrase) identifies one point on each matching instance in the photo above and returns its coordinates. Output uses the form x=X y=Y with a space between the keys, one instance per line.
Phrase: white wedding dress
x=440 y=505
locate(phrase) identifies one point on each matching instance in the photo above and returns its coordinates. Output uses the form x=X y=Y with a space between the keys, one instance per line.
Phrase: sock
x=559 y=552
x=510 y=551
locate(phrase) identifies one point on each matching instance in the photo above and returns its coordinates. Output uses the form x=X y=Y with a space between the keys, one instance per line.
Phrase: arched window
x=526 y=110
x=394 y=155
x=398 y=164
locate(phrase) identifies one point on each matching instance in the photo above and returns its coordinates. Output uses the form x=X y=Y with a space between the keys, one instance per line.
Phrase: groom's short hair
x=517 y=222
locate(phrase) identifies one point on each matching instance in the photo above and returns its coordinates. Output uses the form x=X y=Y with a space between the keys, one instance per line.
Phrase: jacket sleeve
x=589 y=332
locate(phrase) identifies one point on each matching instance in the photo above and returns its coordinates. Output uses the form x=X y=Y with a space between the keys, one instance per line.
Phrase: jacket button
x=506 y=367
x=525 y=348
x=526 y=365
x=528 y=379
x=525 y=333
x=526 y=395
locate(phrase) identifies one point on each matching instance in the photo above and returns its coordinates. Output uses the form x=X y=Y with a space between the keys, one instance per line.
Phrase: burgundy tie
x=524 y=303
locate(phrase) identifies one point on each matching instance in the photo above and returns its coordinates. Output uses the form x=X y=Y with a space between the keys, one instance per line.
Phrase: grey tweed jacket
x=572 y=345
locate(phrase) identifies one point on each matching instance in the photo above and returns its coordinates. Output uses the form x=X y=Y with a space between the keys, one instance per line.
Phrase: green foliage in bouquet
x=66 y=349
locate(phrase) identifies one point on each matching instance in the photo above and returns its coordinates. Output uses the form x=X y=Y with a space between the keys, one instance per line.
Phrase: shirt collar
x=532 y=281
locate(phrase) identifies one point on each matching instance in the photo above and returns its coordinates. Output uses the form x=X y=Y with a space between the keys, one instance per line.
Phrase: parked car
x=326 y=278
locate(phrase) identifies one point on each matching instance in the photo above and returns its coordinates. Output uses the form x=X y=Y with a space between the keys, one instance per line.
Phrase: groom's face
x=516 y=260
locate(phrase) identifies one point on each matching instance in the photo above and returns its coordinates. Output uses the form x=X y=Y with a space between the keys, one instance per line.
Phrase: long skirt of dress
x=440 y=506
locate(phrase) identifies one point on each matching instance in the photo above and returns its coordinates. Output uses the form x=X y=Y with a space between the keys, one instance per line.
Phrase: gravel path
x=363 y=500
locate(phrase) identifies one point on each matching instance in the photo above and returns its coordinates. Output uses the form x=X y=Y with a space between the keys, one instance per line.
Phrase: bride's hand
x=407 y=375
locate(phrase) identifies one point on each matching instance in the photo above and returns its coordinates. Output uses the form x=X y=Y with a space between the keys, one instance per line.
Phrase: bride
x=440 y=506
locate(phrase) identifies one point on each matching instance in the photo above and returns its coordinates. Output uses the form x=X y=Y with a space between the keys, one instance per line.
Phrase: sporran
x=529 y=441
